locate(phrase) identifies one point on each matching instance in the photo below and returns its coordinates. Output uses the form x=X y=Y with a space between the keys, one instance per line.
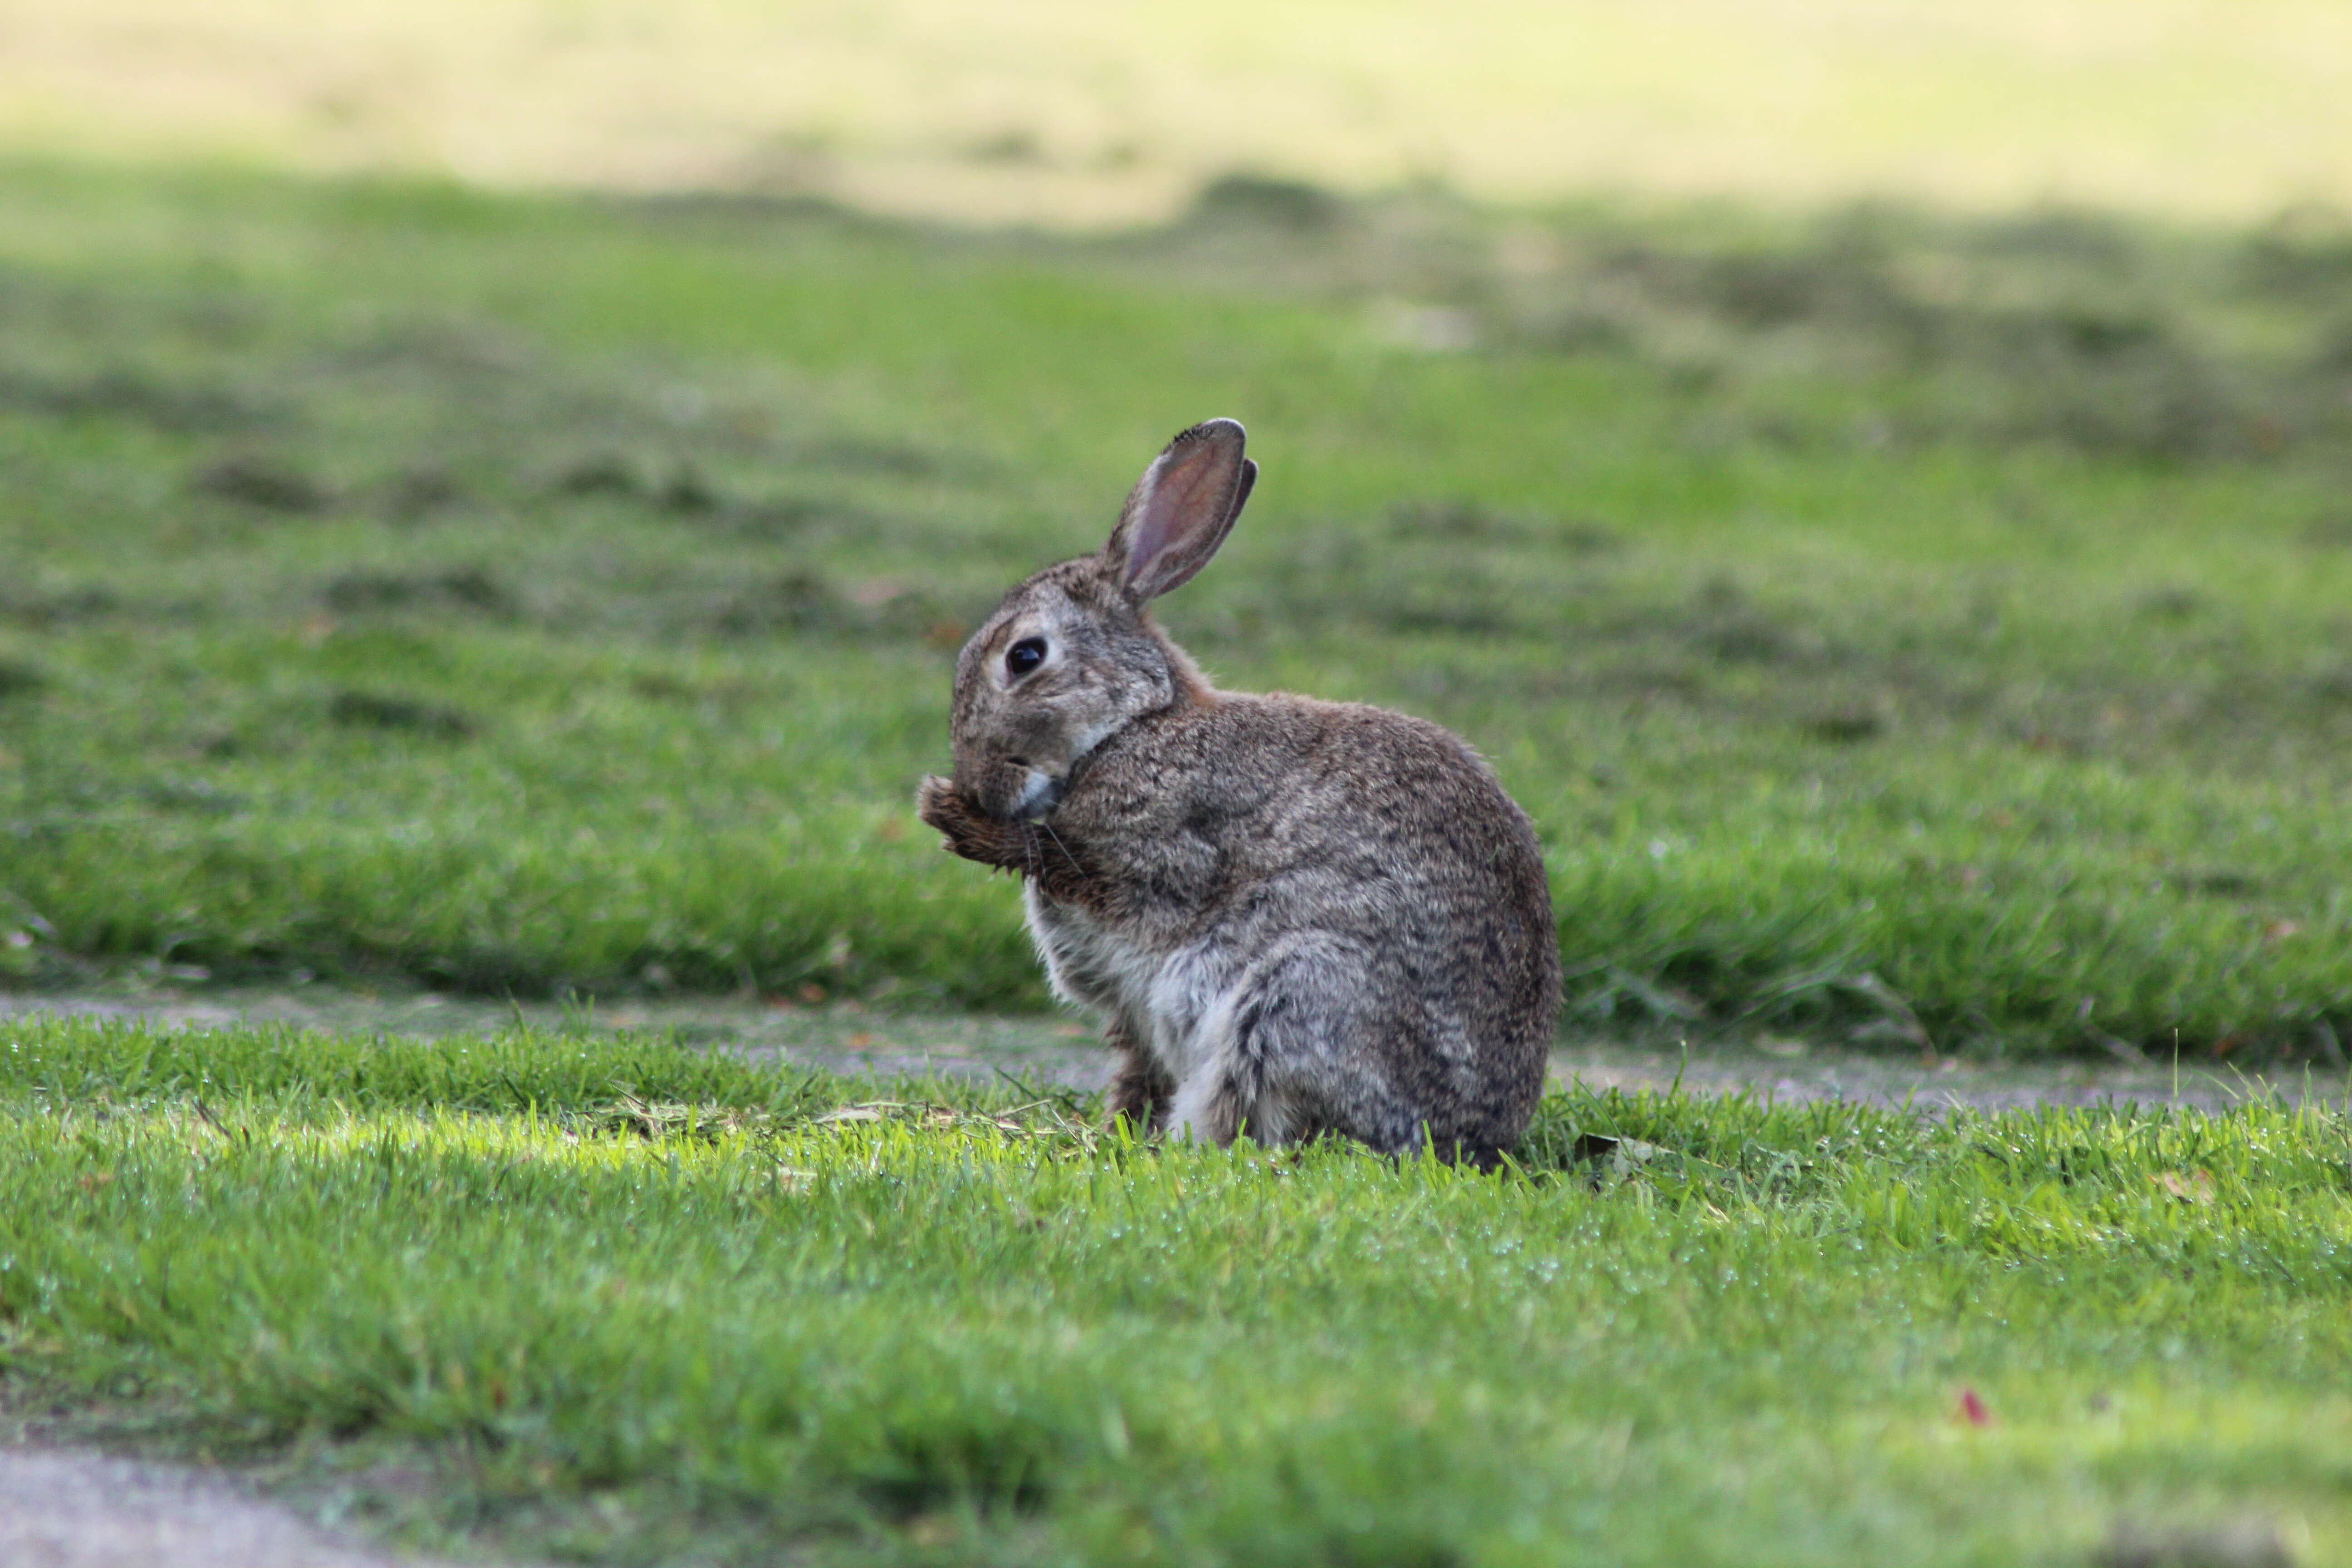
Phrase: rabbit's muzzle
x=1012 y=788
x=1041 y=791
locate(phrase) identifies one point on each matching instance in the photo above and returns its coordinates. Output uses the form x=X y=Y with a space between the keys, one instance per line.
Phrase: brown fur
x=1297 y=917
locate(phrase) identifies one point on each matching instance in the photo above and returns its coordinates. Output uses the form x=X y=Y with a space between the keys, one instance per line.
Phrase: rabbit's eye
x=1025 y=656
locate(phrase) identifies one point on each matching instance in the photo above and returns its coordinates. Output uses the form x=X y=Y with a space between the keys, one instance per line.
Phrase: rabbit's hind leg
x=1211 y=1106
x=1285 y=1059
x=1309 y=1051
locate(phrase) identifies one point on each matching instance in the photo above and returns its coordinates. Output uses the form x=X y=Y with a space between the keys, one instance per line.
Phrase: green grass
x=1898 y=628
x=615 y=1301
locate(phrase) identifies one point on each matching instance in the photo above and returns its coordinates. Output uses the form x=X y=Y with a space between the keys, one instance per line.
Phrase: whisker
x=1047 y=828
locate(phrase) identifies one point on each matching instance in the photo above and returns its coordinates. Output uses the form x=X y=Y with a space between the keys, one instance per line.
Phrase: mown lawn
x=1901 y=629
x=613 y=1301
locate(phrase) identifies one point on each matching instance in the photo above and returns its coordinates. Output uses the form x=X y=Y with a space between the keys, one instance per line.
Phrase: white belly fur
x=1177 y=1005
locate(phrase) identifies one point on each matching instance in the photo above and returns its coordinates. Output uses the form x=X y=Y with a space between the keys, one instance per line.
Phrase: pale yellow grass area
x=1095 y=112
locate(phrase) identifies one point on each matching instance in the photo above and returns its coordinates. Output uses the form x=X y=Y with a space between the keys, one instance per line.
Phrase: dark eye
x=1025 y=656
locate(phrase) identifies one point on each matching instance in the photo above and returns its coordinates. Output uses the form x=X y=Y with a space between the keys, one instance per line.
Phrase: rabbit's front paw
x=969 y=832
x=936 y=802
x=1139 y=1092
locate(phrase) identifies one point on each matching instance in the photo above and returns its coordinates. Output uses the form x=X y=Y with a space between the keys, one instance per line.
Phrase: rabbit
x=1296 y=918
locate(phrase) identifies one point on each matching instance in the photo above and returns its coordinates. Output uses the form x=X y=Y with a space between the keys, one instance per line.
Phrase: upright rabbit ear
x=1181 y=509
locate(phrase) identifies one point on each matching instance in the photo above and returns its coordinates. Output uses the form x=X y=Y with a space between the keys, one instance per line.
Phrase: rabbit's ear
x=1181 y=509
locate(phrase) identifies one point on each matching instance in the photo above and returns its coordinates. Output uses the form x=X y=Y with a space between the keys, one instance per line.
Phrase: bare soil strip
x=88 y=1510
x=1061 y=1052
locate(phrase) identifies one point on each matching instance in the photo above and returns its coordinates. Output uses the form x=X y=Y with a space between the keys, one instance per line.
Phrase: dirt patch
x=1051 y=1050
x=1791 y=1070
x=88 y=1510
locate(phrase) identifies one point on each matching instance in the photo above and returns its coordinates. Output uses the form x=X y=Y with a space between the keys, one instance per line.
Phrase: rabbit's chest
x=1163 y=990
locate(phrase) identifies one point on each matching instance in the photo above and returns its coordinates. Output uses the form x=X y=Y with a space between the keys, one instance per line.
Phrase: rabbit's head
x=1070 y=657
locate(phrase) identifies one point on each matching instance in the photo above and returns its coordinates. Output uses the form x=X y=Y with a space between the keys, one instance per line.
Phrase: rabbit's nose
x=1040 y=794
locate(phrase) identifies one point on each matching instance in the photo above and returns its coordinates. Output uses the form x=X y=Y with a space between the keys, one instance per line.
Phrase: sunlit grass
x=782 y=1311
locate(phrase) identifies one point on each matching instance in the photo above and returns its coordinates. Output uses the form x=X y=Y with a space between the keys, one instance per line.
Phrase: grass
x=609 y=1300
x=1902 y=629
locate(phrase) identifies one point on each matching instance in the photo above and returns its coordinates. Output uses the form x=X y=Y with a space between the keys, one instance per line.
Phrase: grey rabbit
x=1294 y=917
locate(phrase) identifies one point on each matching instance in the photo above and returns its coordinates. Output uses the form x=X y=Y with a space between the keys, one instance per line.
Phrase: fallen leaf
x=2196 y=1187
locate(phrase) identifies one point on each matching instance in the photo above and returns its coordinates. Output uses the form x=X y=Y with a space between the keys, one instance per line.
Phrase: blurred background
x=1094 y=112
x=490 y=493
